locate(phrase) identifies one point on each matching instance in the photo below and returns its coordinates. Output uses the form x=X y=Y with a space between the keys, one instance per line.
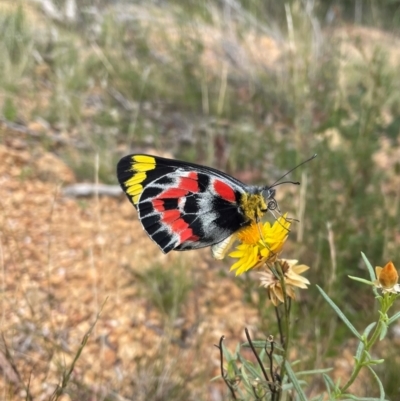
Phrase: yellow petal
x=236 y=265
x=290 y=292
x=250 y=262
x=300 y=268
x=273 y=298
x=278 y=292
x=236 y=254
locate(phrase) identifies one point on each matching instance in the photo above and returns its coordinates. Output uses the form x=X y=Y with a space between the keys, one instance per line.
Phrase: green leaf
x=371 y=270
x=262 y=354
x=287 y=386
x=369 y=358
x=393 y=318
x=339 y=313
x=361 y=345
x=368 y=329
x=380 y=385
x=313 y=372
x=256 y=373
x=226 y=353
x=361 y=280
x=247 y=385
x=360 y=350
x=237 y=350
x=376 y=361
x=384 y=329
x=262 y=344
x=329 y=384
x=244 y=374
x=295 y=382
x=231 y=369
x=278 y=359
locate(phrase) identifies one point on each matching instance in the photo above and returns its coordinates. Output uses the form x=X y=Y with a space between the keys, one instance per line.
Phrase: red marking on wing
x=179 y=225
x=193 y=238
x=158 y=204
x=188 y=183
x=187 y=235
x=170 y=216
x=173 y=193
x=224 y=191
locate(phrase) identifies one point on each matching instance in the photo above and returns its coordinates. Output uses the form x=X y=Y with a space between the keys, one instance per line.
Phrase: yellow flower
x=291 y=273
x=259 y=243
x=387 y=278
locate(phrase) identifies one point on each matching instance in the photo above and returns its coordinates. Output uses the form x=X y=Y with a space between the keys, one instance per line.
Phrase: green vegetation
x=166 y=288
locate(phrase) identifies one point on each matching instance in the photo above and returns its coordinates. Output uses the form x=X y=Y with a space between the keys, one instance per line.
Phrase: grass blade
x=339 y=313
x=295 y=382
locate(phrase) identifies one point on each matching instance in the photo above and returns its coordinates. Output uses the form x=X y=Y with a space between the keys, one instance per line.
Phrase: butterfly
x=184 y=206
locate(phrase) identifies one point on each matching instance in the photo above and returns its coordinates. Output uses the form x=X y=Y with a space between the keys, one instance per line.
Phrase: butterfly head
x=258 y=201
x=269 y=198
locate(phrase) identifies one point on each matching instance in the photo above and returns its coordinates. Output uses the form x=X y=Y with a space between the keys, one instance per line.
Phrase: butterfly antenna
x=288 y=219
x=265 y=244
x=286 y=182
x=294 y=168
x=262 y=237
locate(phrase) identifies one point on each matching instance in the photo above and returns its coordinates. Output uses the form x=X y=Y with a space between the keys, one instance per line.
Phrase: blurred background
x=251 y=87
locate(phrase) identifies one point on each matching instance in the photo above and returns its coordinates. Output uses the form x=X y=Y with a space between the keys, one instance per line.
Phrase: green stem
x=368 y=345
x=286 y=304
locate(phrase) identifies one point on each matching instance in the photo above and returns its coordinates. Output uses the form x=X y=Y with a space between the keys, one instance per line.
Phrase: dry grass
x=62 y=258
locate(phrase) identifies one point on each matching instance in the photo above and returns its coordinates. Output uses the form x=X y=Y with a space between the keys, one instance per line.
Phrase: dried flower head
x=291 y=276
x=387 y=278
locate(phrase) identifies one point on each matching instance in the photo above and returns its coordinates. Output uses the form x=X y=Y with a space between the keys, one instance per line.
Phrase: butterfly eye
x=268 y=193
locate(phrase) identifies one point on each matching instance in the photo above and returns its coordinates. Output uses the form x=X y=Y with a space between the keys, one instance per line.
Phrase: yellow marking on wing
x=144 y=159
x=253 y=206
x=143 y=167
x=135 y=189
x=139 y=165
x=143 y=163
x=136 y=179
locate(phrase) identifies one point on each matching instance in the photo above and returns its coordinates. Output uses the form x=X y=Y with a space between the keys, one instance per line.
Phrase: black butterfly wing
x=182 y=205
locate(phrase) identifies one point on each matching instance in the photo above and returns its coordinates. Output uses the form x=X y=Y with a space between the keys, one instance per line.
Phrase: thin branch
x=276 y=377
x=223 y=375
x=270 y=353
x=11 y=371
x=67 y=374
x=270 y=383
